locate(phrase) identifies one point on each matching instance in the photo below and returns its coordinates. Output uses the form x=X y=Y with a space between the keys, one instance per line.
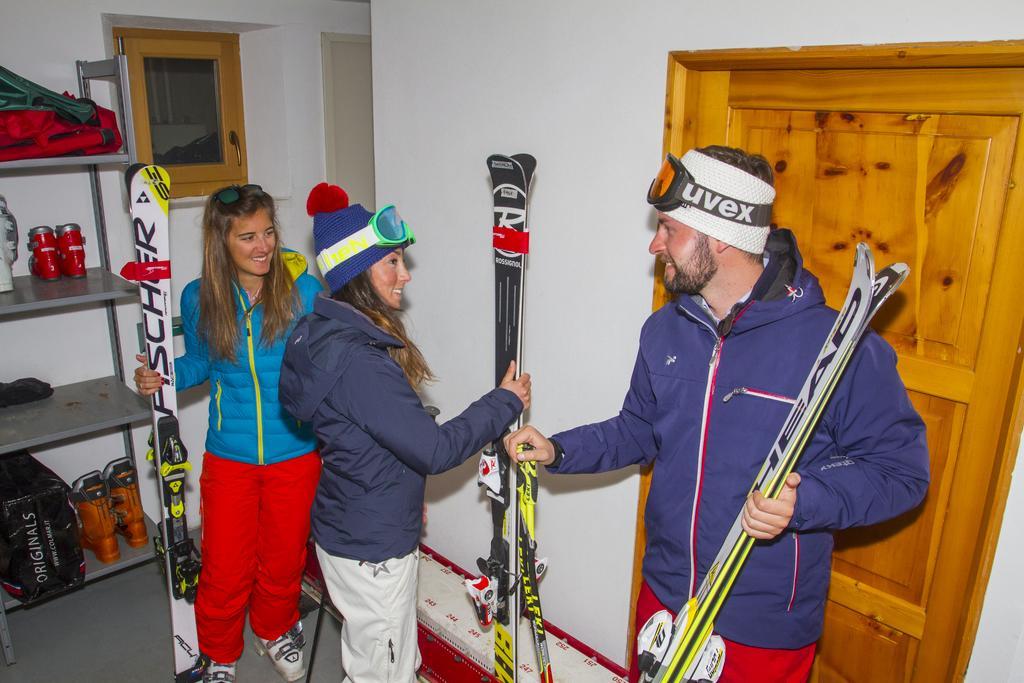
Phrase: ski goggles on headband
x=232 y=193
x=674 y=186
x=385 y=229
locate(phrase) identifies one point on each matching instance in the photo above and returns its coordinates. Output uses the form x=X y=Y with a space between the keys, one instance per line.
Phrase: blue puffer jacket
x=378 y=443
x=247 y=423
x=705 y=404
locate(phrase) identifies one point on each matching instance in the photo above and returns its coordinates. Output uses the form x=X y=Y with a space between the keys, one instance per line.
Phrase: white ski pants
x=378 y=605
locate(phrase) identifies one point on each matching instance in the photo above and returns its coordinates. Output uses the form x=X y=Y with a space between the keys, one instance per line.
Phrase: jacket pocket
x=383 y=657
x=216 y=398
x=761 y=412
x=796 y=571
x=757 y=393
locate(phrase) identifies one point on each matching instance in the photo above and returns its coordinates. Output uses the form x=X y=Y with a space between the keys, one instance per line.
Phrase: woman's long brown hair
x=218 y=288
x=359 y=292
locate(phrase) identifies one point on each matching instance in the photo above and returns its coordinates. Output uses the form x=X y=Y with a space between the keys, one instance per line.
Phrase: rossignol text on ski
x=511 y=571
x=148 y=195
x=684 y=649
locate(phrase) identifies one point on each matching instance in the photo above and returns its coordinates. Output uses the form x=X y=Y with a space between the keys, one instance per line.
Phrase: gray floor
x=118 y=629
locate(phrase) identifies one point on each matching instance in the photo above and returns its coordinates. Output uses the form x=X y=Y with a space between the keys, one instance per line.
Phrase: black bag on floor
x=39 y=550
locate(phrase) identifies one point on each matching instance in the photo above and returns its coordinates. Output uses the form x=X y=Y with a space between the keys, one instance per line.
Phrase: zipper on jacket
x=705 y=420
x=796 y=570
x=713 y=364
x=220 y=415
x=255 y=379
x=745 y=391
x=391 y=650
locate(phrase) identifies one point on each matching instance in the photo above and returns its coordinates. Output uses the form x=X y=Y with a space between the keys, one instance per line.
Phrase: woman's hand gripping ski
x=147 y=381
x=520 y=386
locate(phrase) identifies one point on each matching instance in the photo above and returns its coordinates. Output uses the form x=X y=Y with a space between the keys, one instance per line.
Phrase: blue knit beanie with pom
x=334 y=221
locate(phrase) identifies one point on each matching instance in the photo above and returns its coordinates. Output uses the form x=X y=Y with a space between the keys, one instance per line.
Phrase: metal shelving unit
x=87 y=407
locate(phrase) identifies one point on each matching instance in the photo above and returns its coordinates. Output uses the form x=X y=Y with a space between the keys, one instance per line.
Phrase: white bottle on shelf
x=8 y=245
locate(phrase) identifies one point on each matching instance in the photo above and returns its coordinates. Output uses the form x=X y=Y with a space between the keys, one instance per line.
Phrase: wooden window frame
x=190 y=179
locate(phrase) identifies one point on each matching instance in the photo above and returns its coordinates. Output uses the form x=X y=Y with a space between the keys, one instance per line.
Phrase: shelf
x=85 y=407
x=63 y=162
x=72 y=410
x=94 y=569
x=115 y=68
x=32 y=294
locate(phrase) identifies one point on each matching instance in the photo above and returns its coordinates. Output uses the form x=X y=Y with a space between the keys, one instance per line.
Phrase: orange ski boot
x=91 y=497
x=123 y=483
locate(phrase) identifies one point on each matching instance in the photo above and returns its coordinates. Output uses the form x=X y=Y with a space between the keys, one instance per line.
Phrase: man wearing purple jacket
x=716 y=374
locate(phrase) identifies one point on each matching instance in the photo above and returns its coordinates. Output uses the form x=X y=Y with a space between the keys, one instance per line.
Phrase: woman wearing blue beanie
x=351 y=370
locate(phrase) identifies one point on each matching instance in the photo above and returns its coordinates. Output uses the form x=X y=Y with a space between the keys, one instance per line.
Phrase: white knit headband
x=701 y=213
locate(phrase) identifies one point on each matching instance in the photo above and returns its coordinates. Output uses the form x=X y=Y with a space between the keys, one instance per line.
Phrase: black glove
x=24 y=390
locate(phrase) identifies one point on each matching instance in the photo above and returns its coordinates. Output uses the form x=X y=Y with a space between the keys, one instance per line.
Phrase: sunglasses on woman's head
x=232 y=193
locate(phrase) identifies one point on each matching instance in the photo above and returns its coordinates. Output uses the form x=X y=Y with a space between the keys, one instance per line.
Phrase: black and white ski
x=677 y=650
x=505 y=586
x=148 y=195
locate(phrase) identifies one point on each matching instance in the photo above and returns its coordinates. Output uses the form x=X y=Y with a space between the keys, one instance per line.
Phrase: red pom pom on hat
x=326 y=198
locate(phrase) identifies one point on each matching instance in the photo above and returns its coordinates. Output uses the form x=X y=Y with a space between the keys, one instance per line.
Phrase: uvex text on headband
x=714 y=198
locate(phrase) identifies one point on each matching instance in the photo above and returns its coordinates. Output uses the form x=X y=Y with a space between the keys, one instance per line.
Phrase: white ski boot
x=285 y=652
x=219 y=673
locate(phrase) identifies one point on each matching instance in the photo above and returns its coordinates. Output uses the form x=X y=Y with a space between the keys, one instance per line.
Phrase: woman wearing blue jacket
x=261 y=466
x=351 y=369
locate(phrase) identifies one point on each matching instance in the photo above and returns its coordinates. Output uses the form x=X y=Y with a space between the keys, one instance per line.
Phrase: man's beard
x=691 y=277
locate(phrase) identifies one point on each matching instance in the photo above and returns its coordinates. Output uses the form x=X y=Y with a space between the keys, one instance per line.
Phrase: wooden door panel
x=974 y=91
x=855 y=649
x=924 y=189
x=895 y=556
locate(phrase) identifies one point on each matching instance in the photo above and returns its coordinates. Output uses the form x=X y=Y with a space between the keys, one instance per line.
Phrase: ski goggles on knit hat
x=385 y=229
x=350 y=239
x=714 y=198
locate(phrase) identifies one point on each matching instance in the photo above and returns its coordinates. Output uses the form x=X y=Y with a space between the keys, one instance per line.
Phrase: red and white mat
x=456 y=648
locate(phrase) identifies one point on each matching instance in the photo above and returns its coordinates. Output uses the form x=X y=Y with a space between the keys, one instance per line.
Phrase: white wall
x=580 y=85
x=282 y=83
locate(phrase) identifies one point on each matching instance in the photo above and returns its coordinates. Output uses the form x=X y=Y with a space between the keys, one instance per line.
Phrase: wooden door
x=918 y=161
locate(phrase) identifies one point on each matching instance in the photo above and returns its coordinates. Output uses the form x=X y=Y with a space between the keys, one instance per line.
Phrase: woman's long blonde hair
x=219 y=288
x=359 y=292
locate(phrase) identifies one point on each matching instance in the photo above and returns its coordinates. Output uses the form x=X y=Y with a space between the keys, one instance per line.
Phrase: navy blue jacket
x=378 y=443
x=706 y=402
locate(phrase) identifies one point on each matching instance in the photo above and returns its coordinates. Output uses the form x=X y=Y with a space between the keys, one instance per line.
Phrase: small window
x=187 y=106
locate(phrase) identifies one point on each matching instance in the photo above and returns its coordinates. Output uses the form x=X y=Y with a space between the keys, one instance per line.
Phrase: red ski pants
x=255 y=528
x=743 y=663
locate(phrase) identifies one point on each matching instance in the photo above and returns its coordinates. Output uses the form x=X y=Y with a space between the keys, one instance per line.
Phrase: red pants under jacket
x=255 y=527
x=743 y=663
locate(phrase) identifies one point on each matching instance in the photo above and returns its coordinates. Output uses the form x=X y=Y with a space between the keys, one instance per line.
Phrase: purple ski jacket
x=378 y=443
x=705 y=404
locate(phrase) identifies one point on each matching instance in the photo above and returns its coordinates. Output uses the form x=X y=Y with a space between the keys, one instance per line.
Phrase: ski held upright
x=148 y=200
